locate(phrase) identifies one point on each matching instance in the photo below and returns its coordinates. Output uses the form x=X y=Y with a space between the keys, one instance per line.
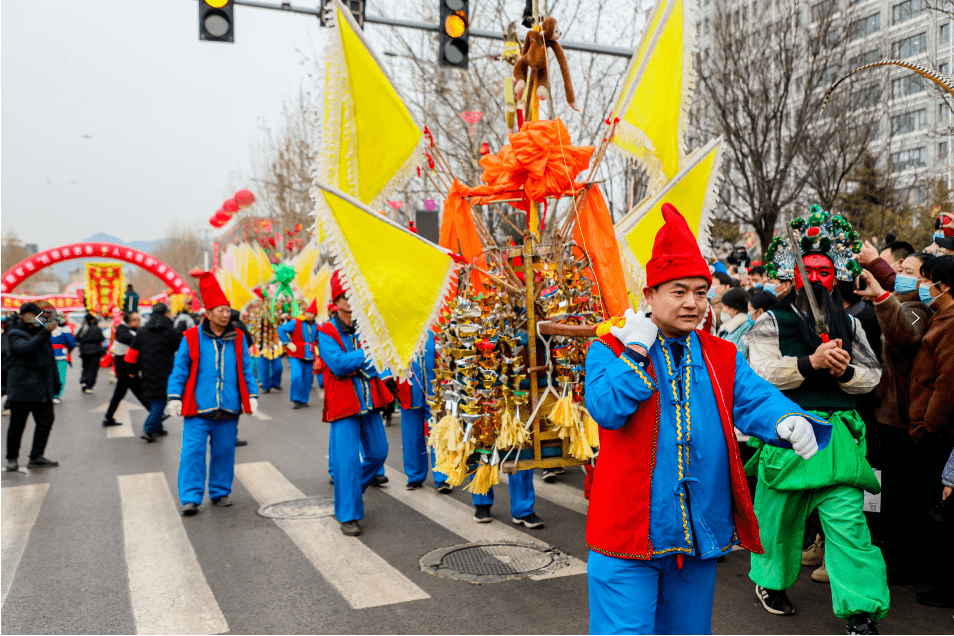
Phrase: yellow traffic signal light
x=455 y=24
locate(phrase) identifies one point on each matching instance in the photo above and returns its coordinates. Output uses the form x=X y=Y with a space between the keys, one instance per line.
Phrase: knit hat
x=336 y=287
x=313 y=307
x=209 y=289
x=30 y=308
x=676 y=252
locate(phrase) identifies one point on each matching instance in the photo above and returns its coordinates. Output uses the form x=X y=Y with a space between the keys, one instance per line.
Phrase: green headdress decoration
x=820 y=233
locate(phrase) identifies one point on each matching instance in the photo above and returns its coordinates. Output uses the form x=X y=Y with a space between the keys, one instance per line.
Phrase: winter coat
x=33 y=375
x=183 y=321
x=903 y=320
x=90 y=340
x=932 y=378
x=153 y=350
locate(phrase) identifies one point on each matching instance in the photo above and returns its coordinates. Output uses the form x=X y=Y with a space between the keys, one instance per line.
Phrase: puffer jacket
x=932 y=376
x=90 y=340
x=33 y=375
x=153 y=350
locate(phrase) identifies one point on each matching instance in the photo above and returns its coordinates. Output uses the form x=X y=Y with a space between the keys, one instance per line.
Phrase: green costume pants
x=856 y=568
x=61 y=366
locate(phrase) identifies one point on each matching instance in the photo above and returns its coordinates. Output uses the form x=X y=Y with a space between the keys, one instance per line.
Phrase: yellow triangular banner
x=397 y=281
x=653 y=108
x=371 y=141
x=305 y=264
x=693 y=191
x=233 y=288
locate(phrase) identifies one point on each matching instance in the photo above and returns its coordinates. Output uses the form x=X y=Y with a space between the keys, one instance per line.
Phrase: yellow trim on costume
x=639 y=372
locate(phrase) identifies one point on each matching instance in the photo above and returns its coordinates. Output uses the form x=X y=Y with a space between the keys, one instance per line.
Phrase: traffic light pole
x=598 y=49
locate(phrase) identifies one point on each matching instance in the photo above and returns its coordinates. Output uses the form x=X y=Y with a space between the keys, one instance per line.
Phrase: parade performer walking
x=820 y=374
x=353 y=393
x=300 y=337
x=668 y=493
x=63 y=343
x=210 y=386
x=415 y=410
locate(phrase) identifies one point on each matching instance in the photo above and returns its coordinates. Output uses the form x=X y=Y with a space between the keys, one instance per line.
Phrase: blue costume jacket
x=345 y=362
x=309 y=332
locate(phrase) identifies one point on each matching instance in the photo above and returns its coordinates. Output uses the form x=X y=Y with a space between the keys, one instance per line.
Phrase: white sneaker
x=56 y=400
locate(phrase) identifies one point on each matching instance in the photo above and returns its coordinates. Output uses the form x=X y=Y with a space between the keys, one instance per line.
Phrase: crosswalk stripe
x=20 y=508
x=259 y=415
x=124 y=417
x=360 y=575
x=459 y=519
x=167 y=587
x=561 y=494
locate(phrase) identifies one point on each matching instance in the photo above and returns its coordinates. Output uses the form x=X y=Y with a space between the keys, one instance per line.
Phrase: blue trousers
x=331 y=459
x=414 y=444
x=302 y=375
x=652 y=596
x=270 y=373
x=353 y=474
x=521 y=494
x=198 y=434
x=153 y=421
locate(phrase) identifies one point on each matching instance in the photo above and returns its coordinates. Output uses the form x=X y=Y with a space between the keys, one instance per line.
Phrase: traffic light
x=328 y=11
x=454 y=35
x=216 y=20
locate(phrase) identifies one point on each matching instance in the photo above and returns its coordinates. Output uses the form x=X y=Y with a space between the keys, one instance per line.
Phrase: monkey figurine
x=534 y=57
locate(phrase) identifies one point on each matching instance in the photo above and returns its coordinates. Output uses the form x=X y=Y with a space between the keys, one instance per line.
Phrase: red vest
x=341 y=398
x=298 y=338
x=189 y=406
x=618 y=521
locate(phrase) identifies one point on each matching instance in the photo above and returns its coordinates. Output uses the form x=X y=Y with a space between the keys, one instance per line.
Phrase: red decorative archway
x=30 y=266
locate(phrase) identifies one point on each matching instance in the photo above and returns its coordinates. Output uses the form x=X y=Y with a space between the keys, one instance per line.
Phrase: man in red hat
x=669 y=493
x=300 y=337
x=354 y=393
x=211 y=385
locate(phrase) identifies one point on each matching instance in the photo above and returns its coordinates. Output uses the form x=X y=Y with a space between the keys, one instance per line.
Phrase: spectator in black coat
x=126 y=377
x=32 y=382
x=90 y=339
x=153 y=351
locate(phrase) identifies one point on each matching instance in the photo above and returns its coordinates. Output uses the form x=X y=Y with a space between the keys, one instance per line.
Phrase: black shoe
x=331 y=480
x=304 y=405
x=108 y=421
x=379 y=480
x=550 y=474
x=350 y=528
x=444 y=487
x=190 y=509
x=861 y=624
x=531 y=521
x=161 y=432
x=296 y=405
x=387 y=421
x=241 y=442
x=413 y=485
x=12 y=466
x=277 y=388
x=165 y=416
x=482 y=514
x=224 y=501
x=775 y=601
x=937 y=597
x=149 y=436
x=42 y=462
x=266 y=390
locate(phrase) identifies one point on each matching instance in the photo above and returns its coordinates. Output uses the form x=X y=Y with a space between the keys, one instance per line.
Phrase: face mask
x=725 y=317
x=769 y=287
x=749 y=318
x=711 y=294
x=904 y=284
x=924 y=293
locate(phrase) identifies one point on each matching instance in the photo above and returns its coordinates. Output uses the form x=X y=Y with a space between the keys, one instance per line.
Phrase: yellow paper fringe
x=592 y=430
x=485 y=477
x=512 y=432
x=568 y=424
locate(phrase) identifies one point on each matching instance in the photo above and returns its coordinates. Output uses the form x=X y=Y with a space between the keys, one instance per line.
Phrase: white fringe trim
x=644 y=156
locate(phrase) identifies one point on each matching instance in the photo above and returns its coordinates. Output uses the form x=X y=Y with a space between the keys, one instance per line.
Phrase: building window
x=944 y=33
x=914 y=45
x=865 y=26
x=909 y=122
x=865 y=58
x=942 y=151
x=944 y=68
x=907 y=85
x=907 y=159
x=906 y=10
x=822 y=10
x=865 y=97
x=706 y=27
x=943 y=113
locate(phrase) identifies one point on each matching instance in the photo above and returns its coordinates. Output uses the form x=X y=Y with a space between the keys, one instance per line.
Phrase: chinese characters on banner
x=104 y=287
x=59 y=301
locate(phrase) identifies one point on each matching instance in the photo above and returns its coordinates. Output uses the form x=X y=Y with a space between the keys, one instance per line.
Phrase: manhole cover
x=493 y=561
x=307 y=508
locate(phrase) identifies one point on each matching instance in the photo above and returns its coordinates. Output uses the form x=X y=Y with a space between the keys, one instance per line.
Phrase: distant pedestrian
x=63 y=343
x=126 y=377
x=211 y=385
x=300 y=338
x=183 y=321
x=131 y=302
x=90 y=339
x=33 y=381
x=153 y=352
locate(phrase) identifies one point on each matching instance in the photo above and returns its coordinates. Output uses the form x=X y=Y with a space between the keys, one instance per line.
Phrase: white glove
x=176 y=407
x=638 y=330
x=253 y=405
x=798 y=431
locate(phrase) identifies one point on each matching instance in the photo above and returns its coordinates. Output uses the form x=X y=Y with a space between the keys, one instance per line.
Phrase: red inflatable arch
x=30 y=266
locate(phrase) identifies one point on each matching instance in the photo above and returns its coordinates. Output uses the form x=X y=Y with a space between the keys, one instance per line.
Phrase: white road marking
x=562 y=494
x=19 y=509
x=362 y=577
x=167 y=587
x=122 y=416
x=260 y=415
x=459 y=519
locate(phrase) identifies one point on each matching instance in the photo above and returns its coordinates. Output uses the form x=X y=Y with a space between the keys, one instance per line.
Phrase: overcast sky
x=168 y=117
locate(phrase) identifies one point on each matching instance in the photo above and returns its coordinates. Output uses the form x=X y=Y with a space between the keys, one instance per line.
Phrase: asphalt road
x=96 y=546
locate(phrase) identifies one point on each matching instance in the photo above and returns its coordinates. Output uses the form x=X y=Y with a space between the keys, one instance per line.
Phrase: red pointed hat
x=676 y=251
x=209 y=289
x=332 y=308
x=336 y=287
x=313 y=307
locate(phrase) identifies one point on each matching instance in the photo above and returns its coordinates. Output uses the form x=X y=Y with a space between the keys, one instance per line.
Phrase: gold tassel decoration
x=592 y=430
x=604 y=327
x=446 y=437
x=563 y=417
x=485 y=477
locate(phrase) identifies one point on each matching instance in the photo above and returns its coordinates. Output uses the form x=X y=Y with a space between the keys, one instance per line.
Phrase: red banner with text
x=104 y=287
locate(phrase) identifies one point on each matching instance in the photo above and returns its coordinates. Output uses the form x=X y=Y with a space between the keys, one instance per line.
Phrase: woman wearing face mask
x=733 y=319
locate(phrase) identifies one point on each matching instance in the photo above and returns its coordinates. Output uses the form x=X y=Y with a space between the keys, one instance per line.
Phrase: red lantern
x=244 y=198
x=230 y=206
x=289 y=244
x=271 y=241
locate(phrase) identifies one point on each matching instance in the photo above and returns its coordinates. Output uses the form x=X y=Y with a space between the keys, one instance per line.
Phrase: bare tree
x=183 y=250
